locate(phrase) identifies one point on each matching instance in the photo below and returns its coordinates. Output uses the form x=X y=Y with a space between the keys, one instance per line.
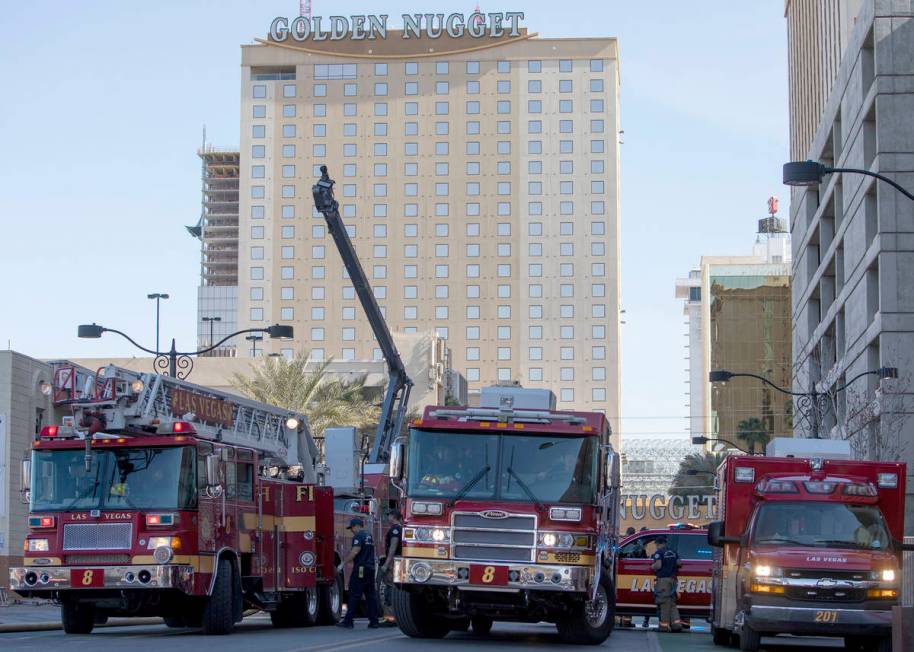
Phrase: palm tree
x=752 y=431
x=700 y=481
x=304 y=386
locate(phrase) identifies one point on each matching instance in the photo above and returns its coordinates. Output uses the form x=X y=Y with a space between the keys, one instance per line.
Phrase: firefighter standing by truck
x=665 y=564
x=361 y=580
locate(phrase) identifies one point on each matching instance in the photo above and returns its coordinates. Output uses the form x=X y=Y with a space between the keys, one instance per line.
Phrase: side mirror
x=716 y=535
x=396 y=460
x=25 y=479
x=612 y=470
x=214 y=470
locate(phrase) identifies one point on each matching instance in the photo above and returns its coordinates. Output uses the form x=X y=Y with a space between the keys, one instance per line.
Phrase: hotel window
x=441 y=230
x=565 y=65
x=379 y=210
x=351 y=90
x=598 y=332
x=441 y=148
x=565 y=106
x=380 y=169
x=534 y=270
x=286 y=314
x=317 y=293
x=503 y=208
x=472 y=271
x=534 y=127
x=317 y=314
x=257 y=273
x=472 y=168
x=319 y=149
x=335 y=71
x=379 y=251
x=504 y=291
x=410 y=251
x=597 y=187
x=504 y=86
x=350 y=109
x=473 y=107
x=566 y=311
x=472 y=353
x=441 y=271
x=411 y=169
x=472 y=209
x=411 y=149
x=288 y=151
x=566 y=332
x=597 y=207
x=596 y=126
x=597 y=146
x=566 y=208
x=287 y=273
x=260 y=111
x=288 y=131
x=504 y=126
x=319 y=90
x=380 y=69
x=503 y=167
x=566 y=290
x=534 y=147
x=473 y=374
x=410 y=271
x=258 y=151
x=258 y=171
x=566 y=126
x=535 y=249
x=411 y=210
x=411 y=128
x=566 y=353
x=317 y=334
x=534 y=86
x=503 y=106
x=349 y=190
x=441 y=312
x=534 y=66
x=347 y=334
x=596 y=65
x=596 y=167
x=566 y=270
x=472 y=312
x=288 y=110
x=380 y=149
x=441 y=67
x=287 y=294
x=504 y=229
x=349 y=149
x=566 y=146
x=504 y=147
x=504 y=374
x=504 y=271
x=379 y=271
x=442 y=108
x=380 y=89
x=257 y=192
x=566 y=373
x=472 y=332
x=411 y=230
x=565 y=86
x=380 y=128
x=598 y=373
x=472 y=251
x=411 y=189
x=566 y=249
x=256 y=314
x=410 y=292
x=472 y=67
x=441 y=291
x=412 y=88
x=598 y=290
x=472 y=229
x=504 y=249
x=379 y=190
x=566 y=228
x=258 y=131
x=535 y=374
x=535 y=291
x=535 y=228
x=257 y=233
x=288 y=171
x=380 y=108
x=566 y=187
x=504 y=352
x=348 y=292
x=598 y=394
x=472 y=88
x=287 y=253
x=350 y=129
x=260 y=90
x=534 y=106
x=411 y=68
x=441 y=250
x=288 y=90
x=257 y=212
x=472 y=292
x=319 y=110
x=597 y=269
x=441 y=88
x=442 y=128
x=596 y=85
x=472 y=127
x=596 y=106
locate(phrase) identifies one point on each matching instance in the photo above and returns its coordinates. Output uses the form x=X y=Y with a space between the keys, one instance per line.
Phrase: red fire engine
x=807 y=546
x=511 y=514
x=164 y=498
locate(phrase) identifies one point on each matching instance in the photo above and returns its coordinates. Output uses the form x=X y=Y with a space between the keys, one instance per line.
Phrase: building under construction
x=217 y=230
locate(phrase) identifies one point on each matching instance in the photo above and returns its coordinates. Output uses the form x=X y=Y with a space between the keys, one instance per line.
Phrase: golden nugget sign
x=206 y=408
x=371 y=27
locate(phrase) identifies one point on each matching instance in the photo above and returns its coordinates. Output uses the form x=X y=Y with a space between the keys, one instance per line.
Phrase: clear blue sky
x=105 y=102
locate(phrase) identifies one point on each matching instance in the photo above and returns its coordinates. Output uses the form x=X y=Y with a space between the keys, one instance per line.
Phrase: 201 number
x=488 y=575
x=826 y=616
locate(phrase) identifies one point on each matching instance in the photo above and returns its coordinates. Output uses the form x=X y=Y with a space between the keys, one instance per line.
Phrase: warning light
x=49 y=431
x=182 y=427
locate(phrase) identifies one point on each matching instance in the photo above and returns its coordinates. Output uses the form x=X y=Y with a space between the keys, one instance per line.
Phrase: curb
x=51 y=626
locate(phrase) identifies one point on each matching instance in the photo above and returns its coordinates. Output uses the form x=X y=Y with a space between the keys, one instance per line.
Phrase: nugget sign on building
x=371 y=27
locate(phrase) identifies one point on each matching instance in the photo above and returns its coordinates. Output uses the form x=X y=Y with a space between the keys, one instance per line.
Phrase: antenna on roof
x=304 y=8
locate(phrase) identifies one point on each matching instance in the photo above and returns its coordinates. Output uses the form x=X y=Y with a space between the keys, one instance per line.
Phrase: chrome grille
x=97 y=536
x=110 y=559
x=475 y=537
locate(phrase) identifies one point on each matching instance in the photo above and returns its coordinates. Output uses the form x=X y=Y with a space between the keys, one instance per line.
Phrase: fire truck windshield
x=552 y=469
x=820 y=524
x=119 y=478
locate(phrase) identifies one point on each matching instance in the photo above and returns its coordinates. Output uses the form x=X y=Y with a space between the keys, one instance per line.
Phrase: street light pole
x=812 y=404
x=180 y=363
x=811 y=173
x=253 y=339
x=700 y=440
x=158 y=296
x=211 y=321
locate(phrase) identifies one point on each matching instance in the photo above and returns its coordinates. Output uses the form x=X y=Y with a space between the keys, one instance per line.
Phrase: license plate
x=488 y=575
x=828 y=616
x=87 y=578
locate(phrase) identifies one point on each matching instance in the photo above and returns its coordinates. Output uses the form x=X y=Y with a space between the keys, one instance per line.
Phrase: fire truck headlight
x=566 y=540
x=764 y=570
x=549 y=539
x=38 y=545
x=439 y=535
x=421 y=572
x=888 y=575
x=168 y=542
x=436 y=534
x=163 y=554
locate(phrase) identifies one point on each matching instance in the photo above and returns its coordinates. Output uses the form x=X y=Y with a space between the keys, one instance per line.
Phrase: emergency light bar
x=494 y=414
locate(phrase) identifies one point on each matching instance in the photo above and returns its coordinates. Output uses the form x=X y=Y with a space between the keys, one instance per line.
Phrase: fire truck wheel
x=749 y=639
x=482 y=625
x=590 y=622
x=414 y=617
x=311 y=608
x=330 y=602
x=721 y=636
x=219 y=612
x=459 y=625
x=77 y=618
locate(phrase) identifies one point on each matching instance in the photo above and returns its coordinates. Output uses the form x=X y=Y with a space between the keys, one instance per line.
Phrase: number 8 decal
x=87 y=578
x=488 y=574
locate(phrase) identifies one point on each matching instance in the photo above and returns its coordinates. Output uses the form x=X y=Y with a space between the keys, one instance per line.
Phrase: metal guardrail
x=907 y=576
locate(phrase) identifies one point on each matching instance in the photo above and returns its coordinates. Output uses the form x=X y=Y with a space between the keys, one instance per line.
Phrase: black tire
x=749 y=639
x=296 y=610
x=77 y=618
x=414 y=617
x=721 y=636
x=219 y=611
x=482 y=625
x=175 y=622
x=459 y=625
x=330 y=602
x=590 y=623
x=100 y=618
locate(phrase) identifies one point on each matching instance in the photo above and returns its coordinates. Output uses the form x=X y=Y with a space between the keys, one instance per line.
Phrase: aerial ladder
x=396 y=397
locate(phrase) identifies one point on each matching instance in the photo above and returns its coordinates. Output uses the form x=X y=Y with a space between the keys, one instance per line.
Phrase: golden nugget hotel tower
x=477 y=168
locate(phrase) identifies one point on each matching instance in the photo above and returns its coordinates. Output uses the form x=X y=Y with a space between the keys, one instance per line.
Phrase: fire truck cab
x=807 y=546
x=511 y=511
x=164 y=498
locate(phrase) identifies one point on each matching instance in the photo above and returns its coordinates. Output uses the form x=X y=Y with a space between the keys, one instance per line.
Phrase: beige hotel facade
x=479 y=180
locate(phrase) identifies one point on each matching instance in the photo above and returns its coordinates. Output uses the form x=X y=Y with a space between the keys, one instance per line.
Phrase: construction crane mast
x=396 y=397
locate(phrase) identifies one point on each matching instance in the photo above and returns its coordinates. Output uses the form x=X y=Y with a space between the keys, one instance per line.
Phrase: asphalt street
x=257 y=633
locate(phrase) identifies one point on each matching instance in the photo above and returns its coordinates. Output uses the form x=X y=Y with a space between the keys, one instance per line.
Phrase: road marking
x=356 y=643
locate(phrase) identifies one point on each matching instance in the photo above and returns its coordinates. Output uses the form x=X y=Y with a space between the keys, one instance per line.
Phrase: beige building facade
x=479 y=180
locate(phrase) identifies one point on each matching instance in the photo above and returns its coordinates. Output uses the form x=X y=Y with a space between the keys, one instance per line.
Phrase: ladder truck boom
x=396 y=397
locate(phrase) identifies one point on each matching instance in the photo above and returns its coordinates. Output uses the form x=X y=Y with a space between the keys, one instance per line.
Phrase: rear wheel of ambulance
x=78 y=618
x=414 y=617
x=749 y=639
x=721 y=636
x=330 y=602
x=590 y=622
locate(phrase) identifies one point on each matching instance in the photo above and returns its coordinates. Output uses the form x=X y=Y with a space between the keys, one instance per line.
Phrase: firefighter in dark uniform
x=361 y=580
x=665 y=564
x=393 y=547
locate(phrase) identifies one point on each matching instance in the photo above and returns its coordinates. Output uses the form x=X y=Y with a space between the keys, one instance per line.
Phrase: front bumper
x=41 y=579
x=819 y=620
x=533 y=577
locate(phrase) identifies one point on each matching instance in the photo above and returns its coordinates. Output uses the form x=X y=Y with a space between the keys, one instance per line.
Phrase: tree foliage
x=701 y=481
x=753 y=433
